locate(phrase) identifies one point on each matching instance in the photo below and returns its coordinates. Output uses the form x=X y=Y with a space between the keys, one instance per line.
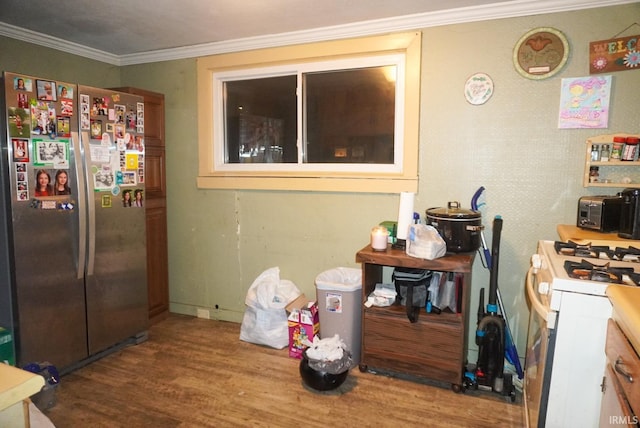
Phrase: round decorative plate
x=541 y=53
x=478 y=89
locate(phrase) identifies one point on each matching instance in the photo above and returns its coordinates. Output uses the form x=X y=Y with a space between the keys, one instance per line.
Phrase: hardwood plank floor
x=197 y=373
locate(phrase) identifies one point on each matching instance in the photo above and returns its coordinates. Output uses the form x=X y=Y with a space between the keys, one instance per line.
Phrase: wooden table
x=434 y=347
x=16 y=386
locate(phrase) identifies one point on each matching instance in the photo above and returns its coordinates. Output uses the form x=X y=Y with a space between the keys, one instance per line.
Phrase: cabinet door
x=155 y=203
x=614 y=411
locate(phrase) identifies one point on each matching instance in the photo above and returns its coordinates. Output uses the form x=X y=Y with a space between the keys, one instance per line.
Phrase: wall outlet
x=203 y=313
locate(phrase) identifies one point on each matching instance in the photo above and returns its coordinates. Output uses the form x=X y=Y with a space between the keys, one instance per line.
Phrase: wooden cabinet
x=155 y=203
x=434 y=347
x=614 y=172
x=620 y=386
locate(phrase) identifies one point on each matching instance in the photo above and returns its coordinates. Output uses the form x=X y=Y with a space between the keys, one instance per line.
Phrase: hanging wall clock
x=541 y=53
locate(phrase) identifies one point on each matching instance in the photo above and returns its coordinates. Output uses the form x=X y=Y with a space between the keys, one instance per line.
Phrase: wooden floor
x=197 y=373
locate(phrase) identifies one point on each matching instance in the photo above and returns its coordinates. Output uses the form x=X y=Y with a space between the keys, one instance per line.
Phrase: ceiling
x=129 y=29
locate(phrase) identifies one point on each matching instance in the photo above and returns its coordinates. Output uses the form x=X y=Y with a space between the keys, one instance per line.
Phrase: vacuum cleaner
x=511 y=352
x=490 y=333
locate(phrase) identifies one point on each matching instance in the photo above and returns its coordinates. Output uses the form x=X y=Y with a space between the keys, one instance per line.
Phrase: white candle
x=379 y=238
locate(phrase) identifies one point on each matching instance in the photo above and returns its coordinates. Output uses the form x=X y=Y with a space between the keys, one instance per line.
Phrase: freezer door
x=51 y=323
x=43 y=241
x=116 y=279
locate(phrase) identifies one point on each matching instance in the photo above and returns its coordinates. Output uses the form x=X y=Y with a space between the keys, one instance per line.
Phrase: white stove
x=565 y=359
x=553 y=256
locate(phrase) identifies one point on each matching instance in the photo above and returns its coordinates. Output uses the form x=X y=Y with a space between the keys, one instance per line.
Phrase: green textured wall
x=219 y=241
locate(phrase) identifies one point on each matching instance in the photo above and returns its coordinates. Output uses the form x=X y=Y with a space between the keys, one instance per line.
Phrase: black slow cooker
x=460 y=228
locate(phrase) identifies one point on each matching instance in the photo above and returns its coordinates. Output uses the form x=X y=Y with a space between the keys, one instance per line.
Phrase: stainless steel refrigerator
x=72 y=239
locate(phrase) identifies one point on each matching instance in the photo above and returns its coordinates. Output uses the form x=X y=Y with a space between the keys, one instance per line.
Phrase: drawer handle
x=622 y=371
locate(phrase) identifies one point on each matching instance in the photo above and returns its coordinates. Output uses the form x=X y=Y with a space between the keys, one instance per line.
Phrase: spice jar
x=630 y=149
x=604 y=154
x=595 y=153
x=594 y=174
x=616 y=148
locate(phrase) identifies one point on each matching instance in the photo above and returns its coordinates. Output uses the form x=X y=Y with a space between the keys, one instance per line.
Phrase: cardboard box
x=304 y=324
x=297 y=303
x=6 y=347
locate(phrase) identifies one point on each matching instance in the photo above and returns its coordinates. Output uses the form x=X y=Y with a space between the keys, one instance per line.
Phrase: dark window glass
x=350 y=116
x=260 y=120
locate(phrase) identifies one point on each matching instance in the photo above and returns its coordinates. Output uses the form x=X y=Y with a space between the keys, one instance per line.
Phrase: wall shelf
x=613 y=171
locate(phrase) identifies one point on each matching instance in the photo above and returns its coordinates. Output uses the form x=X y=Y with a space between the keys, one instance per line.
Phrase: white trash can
x=339 y=296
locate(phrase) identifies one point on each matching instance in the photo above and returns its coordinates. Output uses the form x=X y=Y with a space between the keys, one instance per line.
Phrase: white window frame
x=220 y=78
x=401 y=50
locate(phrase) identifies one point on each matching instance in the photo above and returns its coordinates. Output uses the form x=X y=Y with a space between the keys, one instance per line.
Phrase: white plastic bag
x=383 y=295
x=425 y=242
x=265 y=319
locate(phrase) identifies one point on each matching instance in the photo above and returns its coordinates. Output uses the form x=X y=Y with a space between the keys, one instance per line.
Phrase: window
x=335 y=116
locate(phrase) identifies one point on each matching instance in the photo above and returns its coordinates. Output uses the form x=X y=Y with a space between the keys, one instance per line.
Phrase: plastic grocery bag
x=265 y=317
x=329 y=355
x=425 y=242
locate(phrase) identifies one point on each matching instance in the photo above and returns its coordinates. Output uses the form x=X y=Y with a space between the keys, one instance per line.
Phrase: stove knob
x=543 y=288
x=536 y=261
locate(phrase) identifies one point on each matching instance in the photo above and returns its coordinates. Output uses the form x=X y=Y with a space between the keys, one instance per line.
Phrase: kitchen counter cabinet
x=578 y=235
x=432 y=348
x=621 y=389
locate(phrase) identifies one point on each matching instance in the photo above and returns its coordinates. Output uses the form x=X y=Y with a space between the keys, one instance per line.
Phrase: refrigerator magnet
x=46 y=90
x=106 y=201
x=66 y=108
x=129 y=178
x=20 y=150
x=119 y=111
x=19 y=122
x=65 y=92
x=64 y=127
x=103 y=180
x=96 y=129
x=22 y=84
x=132 y=161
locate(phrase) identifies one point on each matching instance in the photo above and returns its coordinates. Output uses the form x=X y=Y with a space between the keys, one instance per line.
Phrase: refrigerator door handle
x=90 y=208
x=82 y=204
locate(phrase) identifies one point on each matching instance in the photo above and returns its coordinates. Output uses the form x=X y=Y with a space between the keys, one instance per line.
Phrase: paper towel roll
x=405 y=214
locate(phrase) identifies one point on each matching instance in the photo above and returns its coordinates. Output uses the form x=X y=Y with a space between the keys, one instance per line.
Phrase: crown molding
x=503 y=10
x=40 y=39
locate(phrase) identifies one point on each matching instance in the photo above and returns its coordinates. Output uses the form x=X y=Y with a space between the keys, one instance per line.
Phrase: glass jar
x=594 y=174
x=595 y=153
x=604 y=154
x=616 y=148
x=630 y=149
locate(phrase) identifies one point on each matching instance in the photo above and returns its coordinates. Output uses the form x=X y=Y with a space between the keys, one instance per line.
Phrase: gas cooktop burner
x=570 y=248
x=601 y=273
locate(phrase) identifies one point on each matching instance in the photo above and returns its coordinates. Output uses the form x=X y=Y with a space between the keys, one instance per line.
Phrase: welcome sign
x=617 y=54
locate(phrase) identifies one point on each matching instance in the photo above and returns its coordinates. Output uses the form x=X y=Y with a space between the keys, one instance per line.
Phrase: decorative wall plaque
x=541 y=53
x=619 y=54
